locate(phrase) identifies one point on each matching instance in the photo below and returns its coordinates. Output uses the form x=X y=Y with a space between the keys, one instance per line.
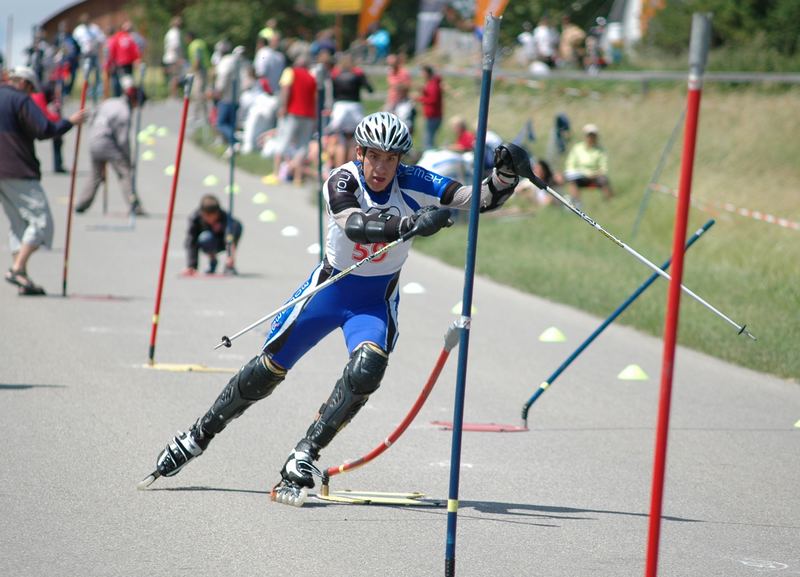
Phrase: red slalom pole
x=187 y=90
x=450 y=341
x=74 y=175
x=698 y=53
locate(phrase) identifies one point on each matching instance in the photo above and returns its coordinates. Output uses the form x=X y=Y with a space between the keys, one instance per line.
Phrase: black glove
x=504 y=162
x=427 y=221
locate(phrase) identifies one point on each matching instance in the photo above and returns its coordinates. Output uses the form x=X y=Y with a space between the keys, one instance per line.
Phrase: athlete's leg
x=254 y=381
x=361 y=377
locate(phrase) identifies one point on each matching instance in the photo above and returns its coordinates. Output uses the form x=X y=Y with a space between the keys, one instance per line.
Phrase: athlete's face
x=379 y=167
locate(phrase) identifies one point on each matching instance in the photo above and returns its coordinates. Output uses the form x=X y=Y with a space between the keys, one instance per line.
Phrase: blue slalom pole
x=232 y=161
x=491 y=31
x=549 y=381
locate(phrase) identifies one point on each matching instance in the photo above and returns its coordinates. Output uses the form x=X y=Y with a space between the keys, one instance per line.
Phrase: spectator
x=269 y=30
x=173 y=58
x=587 y=165
x=110 y=31
x=199 y=62
x=40 y=57
x=348 y=81
x=109 y=143
x=570 y=47
x=90 y=39
x=324 y=42
x=269 y=61
x=123 y=53
x=224 y=94
x=378 y=42
x=595 y=58
x=405 y=109
x=208 y=228
x=464 y=138
x=297 y=111
x=48 y=103
x=545 y=39
x=261 y=115
x=70 y=54
x=398 y=80
x=21 y=193
x=526 y=189
x=559 y=139
x=431 y=100
x=525 y=38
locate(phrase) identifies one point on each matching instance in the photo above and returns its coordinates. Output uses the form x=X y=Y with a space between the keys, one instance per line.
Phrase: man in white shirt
x=90 y=39
x=545 y=38
x=173 y=59
x=269 y=62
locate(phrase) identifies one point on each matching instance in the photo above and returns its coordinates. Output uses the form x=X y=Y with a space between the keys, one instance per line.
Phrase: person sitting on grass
x=208 y=228
x=587 y=165
x=464 y=137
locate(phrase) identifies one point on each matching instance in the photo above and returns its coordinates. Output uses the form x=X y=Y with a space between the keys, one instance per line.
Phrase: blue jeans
x=226 y=120
x=431 y=128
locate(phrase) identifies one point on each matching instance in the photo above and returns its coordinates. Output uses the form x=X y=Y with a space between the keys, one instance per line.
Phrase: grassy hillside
x=747 y=155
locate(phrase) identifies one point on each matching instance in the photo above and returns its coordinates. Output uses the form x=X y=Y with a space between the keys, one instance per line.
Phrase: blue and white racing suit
x=363 y=304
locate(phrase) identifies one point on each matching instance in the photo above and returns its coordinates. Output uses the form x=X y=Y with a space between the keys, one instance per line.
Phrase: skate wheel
x=301 y=498
x=147 y=481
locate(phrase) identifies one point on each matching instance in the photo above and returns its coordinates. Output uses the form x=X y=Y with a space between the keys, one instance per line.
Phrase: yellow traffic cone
x=632 y=373
x=552 y=335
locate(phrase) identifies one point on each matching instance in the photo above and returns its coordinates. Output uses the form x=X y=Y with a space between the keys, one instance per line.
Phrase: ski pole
x=73 y=176
x=226 y=341
x=523 y=166
x=187 y=90
x=450 y=341
x=551 y=379
x=489 y=47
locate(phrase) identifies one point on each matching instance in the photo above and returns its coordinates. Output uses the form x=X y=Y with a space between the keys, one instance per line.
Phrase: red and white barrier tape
x=727 y=206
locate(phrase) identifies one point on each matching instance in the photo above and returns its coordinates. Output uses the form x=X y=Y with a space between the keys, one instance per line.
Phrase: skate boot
x=176 y=455
x=297 y=476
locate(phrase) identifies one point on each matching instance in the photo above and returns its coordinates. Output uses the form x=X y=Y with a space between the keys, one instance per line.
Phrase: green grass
x=746 y=155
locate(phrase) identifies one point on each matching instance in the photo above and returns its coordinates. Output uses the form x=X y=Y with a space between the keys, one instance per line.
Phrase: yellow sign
x=339 y=6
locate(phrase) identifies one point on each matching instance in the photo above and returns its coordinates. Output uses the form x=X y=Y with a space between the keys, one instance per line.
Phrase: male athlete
x=371 y=201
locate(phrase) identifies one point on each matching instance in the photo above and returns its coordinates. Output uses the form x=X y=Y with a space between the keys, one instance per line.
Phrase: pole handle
x=491 y=32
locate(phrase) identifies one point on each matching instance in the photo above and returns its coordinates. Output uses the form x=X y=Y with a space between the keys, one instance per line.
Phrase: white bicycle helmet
x=384 y=131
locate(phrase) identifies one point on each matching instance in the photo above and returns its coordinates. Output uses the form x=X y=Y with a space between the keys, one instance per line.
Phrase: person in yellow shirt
x=587 y=165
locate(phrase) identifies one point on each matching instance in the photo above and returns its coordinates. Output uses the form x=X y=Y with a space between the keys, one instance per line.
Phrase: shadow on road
x=552 y=512
x=16 y=387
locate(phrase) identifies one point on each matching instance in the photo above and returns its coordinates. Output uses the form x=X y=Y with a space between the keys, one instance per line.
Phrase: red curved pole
x=74 y=175
x=451 y=339
x=187 y=90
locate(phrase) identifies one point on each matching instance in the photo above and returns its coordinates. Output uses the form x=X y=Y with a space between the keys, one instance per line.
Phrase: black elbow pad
x=375 y=227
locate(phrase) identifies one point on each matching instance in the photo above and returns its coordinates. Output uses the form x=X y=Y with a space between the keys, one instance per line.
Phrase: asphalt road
x=84 y=421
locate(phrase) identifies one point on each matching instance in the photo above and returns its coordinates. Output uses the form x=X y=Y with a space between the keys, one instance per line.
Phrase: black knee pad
x=258 y=378
x=254 y=381
x=361 y=377
x=364 y=373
